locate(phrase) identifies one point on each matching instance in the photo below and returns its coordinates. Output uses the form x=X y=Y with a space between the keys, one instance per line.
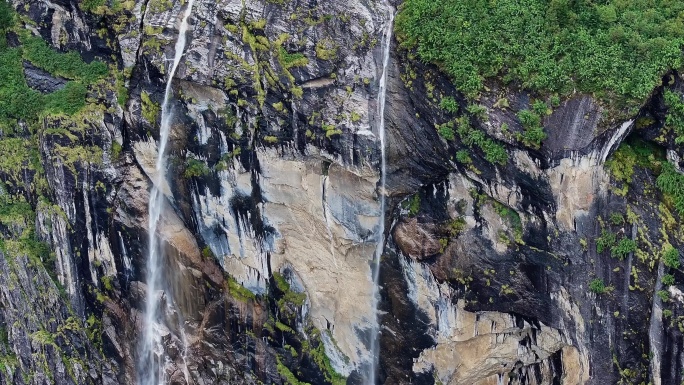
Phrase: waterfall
x=151 y=367
x=374 y=347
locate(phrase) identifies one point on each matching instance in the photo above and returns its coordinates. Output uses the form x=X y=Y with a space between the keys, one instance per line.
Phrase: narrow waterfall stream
x=382 y=93
x=152 y=361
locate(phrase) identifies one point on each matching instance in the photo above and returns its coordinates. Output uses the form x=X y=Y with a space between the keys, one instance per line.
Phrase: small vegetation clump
x=605 y=241
x=623 y=248
x=446 y=131
x=597 y=286
x=449 y=104
x=289 y=60
x=289 y=296
x=675 y=114
x=463 y=157
x=512 y=217
x=671 y=257
x=617 y=50
x=534 y=132
x=414 y=205
x=150 y=109
x=631 y=154
x=668 y=279
x=195 y=168
x=494 y=152
x=238 y=291
x=671 y=183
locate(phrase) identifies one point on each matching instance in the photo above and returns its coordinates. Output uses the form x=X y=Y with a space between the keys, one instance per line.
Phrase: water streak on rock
x=150 y=366
x=382 y=93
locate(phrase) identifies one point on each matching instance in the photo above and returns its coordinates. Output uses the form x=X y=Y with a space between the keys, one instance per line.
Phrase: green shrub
x=532 y=137
x=671 y=257
x=207 y=254
x=494 y=152
x=446 y=131
x=668 y=279
x=116 y=150
x=623 y=248
x=289 y=60
x=150 y=109
x=531 y=121
x=597 y=286
x=477 y=110
x=675 y=114
x=671 y=183
x=195 y=168
x=664 y=295
x=540 y=108
x=449 y=104
x=463 y=157
x=621 y=49
x=617 y=219
x=69 y=100
x=414 y=205
x=605 y=241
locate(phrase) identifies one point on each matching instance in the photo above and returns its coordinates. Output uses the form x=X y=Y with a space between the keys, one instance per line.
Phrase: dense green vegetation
x=17 y=100
x=617 y=49
x=6 y=21
x=68 y=65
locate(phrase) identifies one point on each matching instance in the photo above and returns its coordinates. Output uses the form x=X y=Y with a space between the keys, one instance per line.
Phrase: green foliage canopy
x=617 y=49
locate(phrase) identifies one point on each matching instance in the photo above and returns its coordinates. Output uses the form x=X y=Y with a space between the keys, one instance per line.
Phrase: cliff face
x=533 y=265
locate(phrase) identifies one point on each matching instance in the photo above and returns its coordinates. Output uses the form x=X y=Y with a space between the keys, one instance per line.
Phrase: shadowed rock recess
x=507 y=259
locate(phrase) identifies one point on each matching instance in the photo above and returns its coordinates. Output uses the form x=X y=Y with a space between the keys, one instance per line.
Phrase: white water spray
x=382 y=93
x=152 y=360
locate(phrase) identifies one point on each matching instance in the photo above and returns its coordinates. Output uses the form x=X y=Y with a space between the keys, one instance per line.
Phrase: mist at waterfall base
x=380 y=245
x=152 y=360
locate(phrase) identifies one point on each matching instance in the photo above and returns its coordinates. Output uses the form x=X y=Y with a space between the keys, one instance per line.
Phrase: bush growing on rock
x=623 y=248
x=671 y=257
x=597 y=286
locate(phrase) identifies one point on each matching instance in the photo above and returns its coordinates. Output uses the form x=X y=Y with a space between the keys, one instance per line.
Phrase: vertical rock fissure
x=151 y=365
x=382 y=93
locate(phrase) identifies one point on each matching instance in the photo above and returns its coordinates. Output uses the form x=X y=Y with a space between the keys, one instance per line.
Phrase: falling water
x=326 y=216
x=152 y=352
x=374 y=349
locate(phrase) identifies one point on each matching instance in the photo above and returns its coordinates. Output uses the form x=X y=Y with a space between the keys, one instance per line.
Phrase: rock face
x=491 y=269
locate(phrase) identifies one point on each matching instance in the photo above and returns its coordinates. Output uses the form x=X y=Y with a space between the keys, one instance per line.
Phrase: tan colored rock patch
x=481 y=347
x=416 y=240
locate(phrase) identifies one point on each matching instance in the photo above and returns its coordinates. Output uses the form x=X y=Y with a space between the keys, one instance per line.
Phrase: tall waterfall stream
x=152 y=360
x=382 y=93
